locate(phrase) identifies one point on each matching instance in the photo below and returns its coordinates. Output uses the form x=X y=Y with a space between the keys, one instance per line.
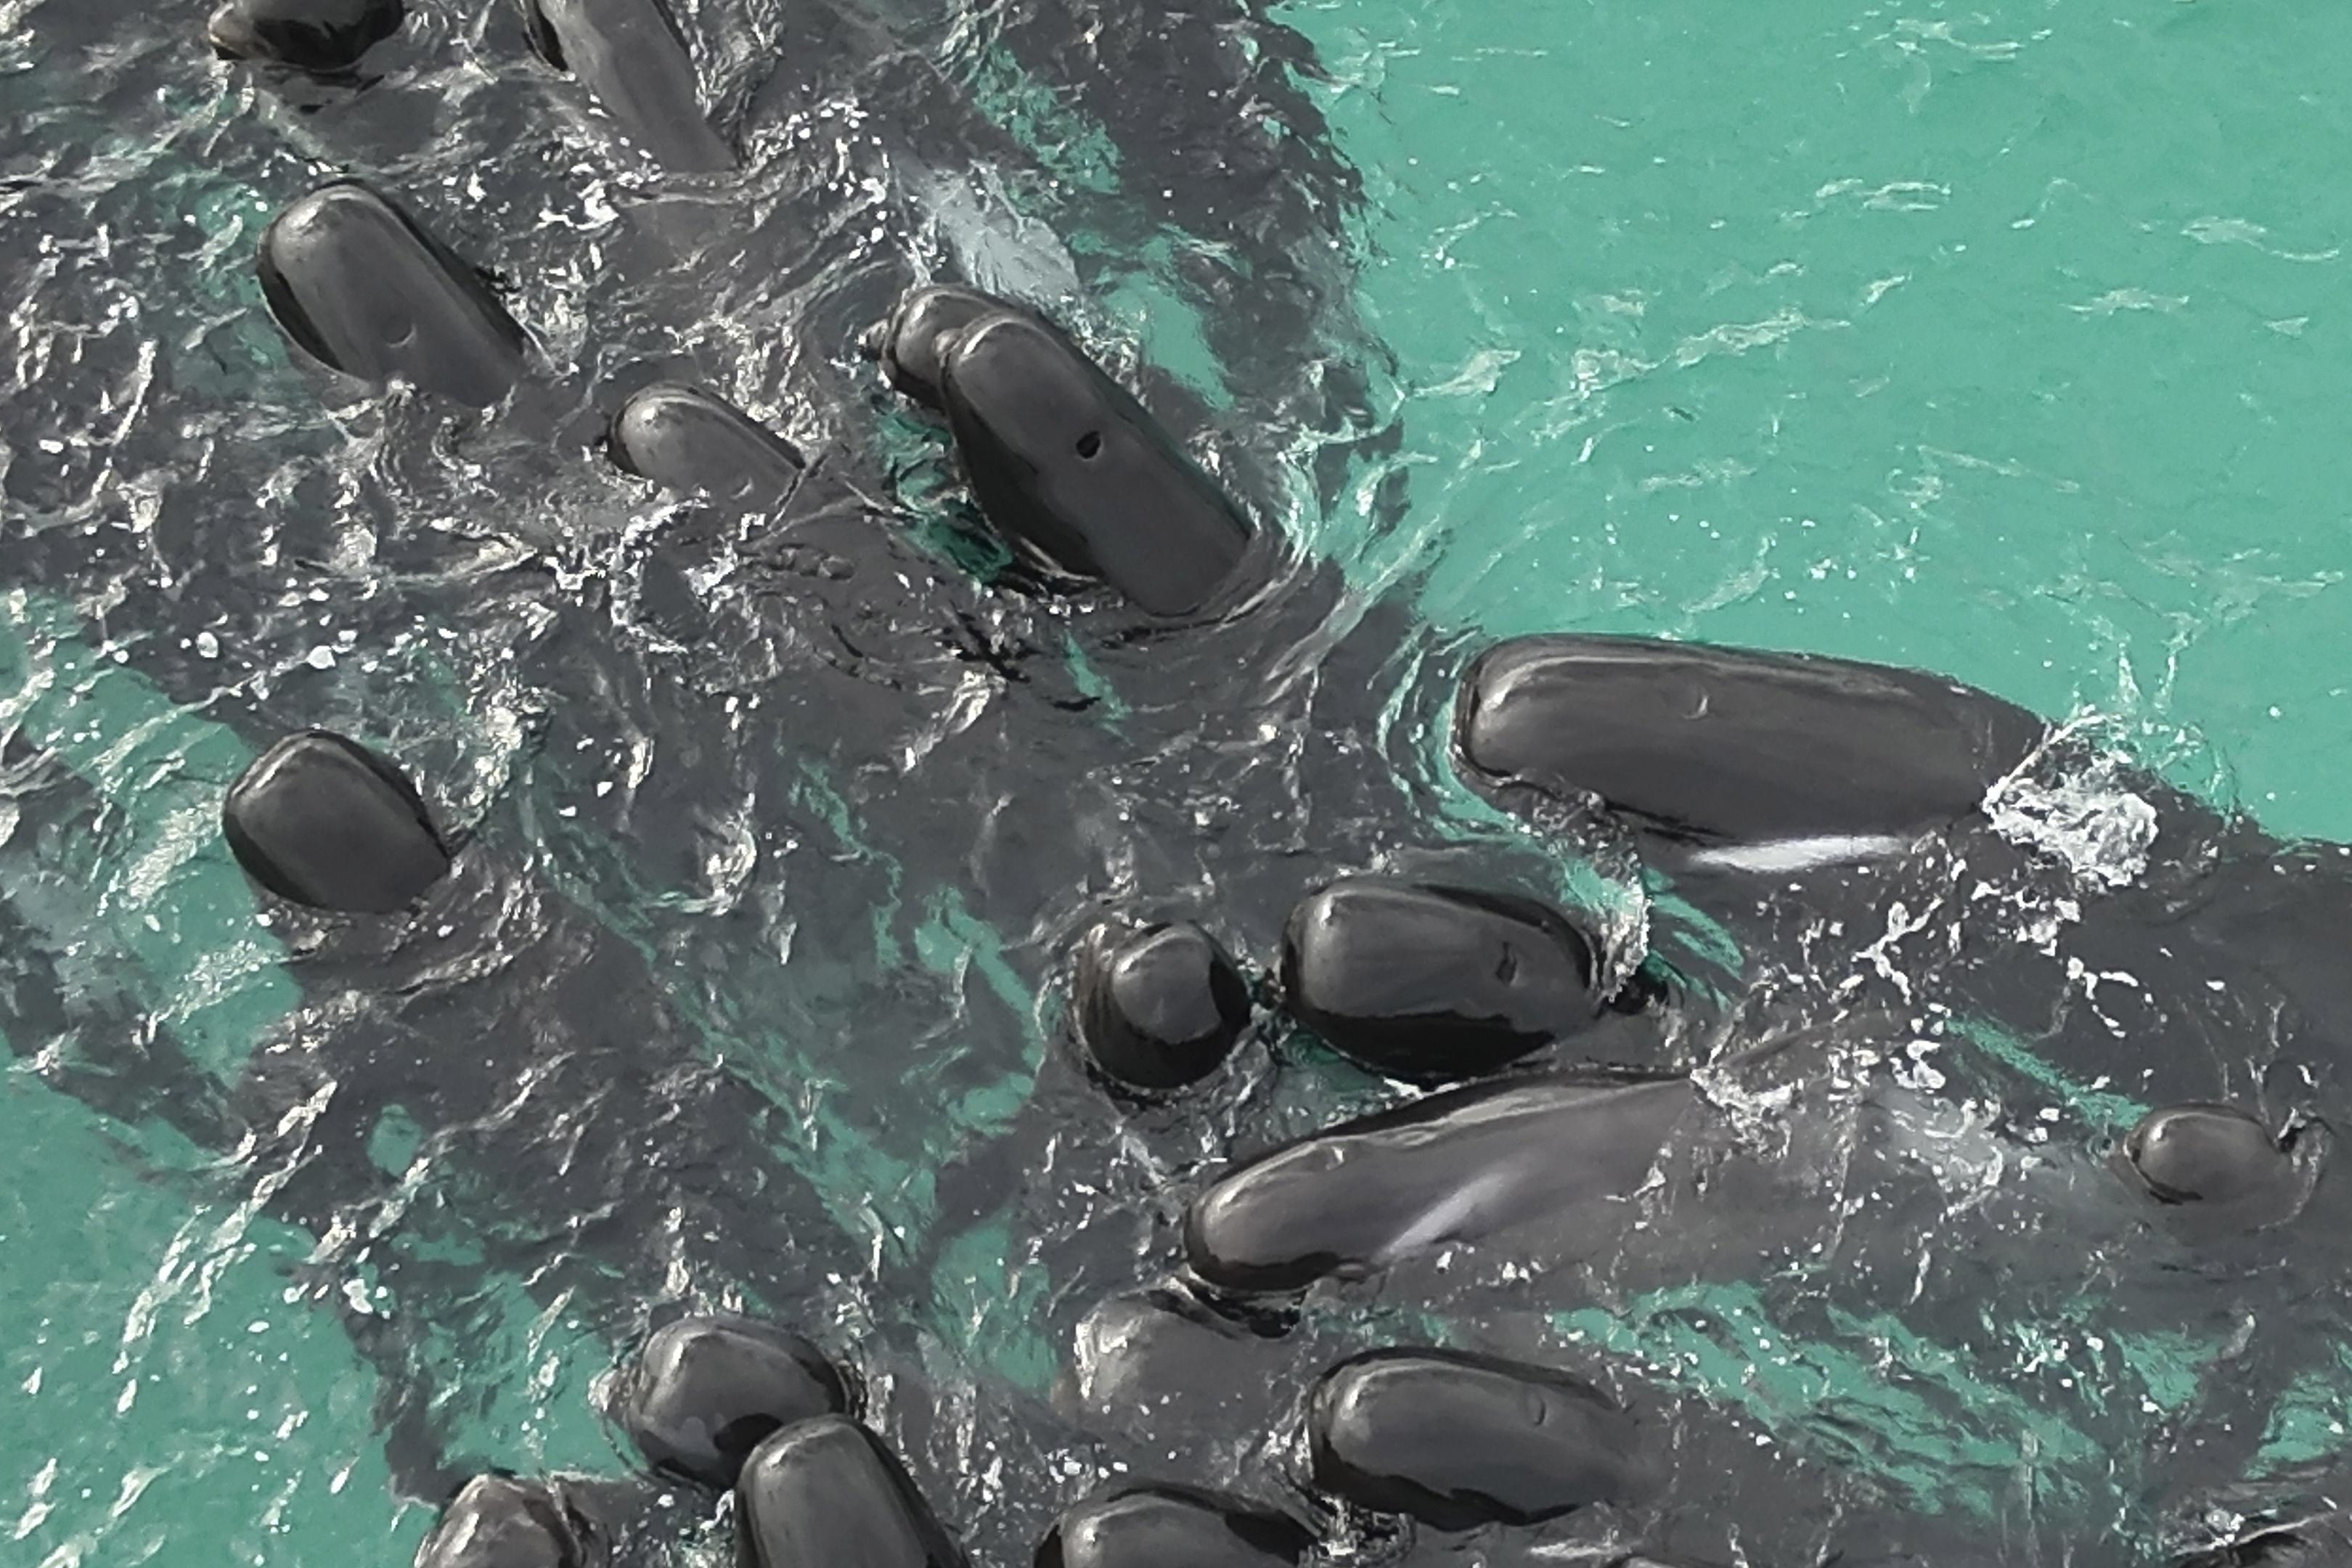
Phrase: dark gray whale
x=1730 y=756
x=366 y=289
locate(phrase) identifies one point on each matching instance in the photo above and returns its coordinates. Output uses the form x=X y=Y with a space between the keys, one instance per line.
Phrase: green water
x=2002 y=341
x=2005 y=340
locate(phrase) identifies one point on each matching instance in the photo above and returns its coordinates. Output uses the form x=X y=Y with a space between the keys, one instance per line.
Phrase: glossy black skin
x=1076 y=474
x=1704 y=748
x=320 y=819
x=500 y=1522
x=632 y=56
x=1167 y=1526
x=685 y=439
x=827 y=1491
x=1179 y=1377
x=364 y=289
x=1458 y=1440
x=1157 y=1009
x=325 y=38
x=2215 y=1154
x=703 y=1392
x=1453 y=1167
x=910 y=342
x=1434 y=984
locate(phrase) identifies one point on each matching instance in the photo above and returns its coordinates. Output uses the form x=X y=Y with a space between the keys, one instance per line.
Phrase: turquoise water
x=2000 y=341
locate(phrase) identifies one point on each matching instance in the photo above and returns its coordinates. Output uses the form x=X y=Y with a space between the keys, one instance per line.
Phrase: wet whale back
x=1452 y=1167
x=1161 y=1526
x=1070 y=468
x=631 y=56
x=825 y=1491
x=1434 y=984
x=1724 y=747
x=322 y=820
x=1460 y=1440
x=684 y=439
x=366 y=289
x=322 y=37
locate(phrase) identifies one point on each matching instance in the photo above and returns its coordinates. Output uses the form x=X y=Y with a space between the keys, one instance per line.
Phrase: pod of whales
x=1434 y=984
x=1716 y=758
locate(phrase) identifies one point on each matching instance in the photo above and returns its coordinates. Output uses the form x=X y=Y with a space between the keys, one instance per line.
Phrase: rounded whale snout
x=1074 y=472
x=1458 y=1440
x=1432 y=984
x=1161 y=1526
x=501 y=1521
x=705 y=1391
x=366 y=289
x=826 y=1490
x=2216 y=1155
x=1458 y=1166
x=909 y=344
x=1713 y=747
x=1160 y=1009
x=323 y=821
x=324 y=38
x=684 y=439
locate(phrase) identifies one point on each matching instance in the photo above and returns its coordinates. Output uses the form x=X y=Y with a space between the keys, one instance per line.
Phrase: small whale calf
x=685 y=440
x=1715 y=761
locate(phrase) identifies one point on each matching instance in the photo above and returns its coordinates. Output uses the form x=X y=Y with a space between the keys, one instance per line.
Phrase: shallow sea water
x=2002 y=340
